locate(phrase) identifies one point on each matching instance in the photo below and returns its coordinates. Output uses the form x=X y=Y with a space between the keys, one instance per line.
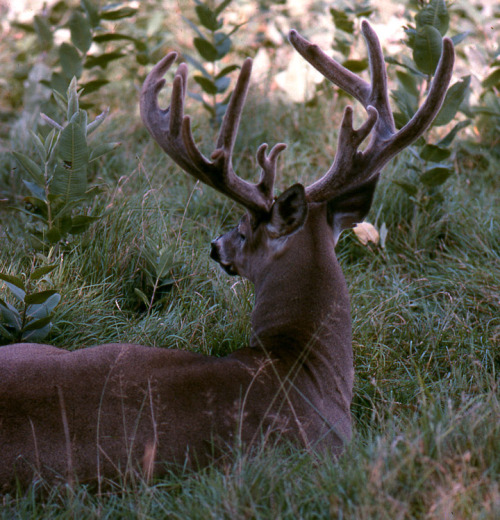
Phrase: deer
x=91 y=414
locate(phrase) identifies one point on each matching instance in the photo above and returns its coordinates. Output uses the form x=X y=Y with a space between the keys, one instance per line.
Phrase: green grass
x=426 y=331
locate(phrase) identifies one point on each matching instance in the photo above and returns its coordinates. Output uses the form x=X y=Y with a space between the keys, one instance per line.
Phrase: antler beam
x=171 y=129
x=352 y=167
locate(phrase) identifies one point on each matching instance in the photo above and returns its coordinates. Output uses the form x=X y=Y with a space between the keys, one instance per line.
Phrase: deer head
x=346 y=189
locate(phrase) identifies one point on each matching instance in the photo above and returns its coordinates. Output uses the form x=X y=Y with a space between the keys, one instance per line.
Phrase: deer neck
x=302 y=303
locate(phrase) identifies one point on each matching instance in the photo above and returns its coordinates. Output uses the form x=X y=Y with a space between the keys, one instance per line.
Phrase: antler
x=352 y=167
x=171 y=129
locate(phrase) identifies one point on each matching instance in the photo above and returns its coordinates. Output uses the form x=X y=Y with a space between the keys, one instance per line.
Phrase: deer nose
x=214 y=252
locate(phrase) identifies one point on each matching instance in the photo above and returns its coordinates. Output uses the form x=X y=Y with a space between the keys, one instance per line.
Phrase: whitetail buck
x=99 y=411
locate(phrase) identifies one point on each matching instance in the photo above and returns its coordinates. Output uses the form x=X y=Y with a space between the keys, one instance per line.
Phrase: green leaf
x=427 y=49
x=206 y=49
x=222 y=6
x=435 y=15
x=222 y=44
x=355 y=65
x=165 y=262
x=42 y=271
x=11 y=316
x=80 y=223
x=222 y=84
x=81 y=35
x=448 y=138
x=408 y=82
x=92 y=12
x=194 y=27
x=142 y=296
x=400 y=119
x=45 y=309
x=103 y=60
x=410 y=189
x=226 y=70
x=80 y=119
x=110 y=13
x=71 y=62
x=72 y=95
x=37 y=324
x=459 y=38
x=16 y=291
x=6 y=334
x=53 y=235
x=433 y=153
x=93 y=86
x=436 y=176
x=206 y=84
x=492 y=80
x=341 y=20
x=197 y=65
x=59 y=83
x=30 y=167
x=50 y=142
x=406 y=103
x=207 y=17
x=70 y=175
x=97 y=122
x=39 y=297
x=26 y=27
x=72 y=146
x=111 y=37
x=37 y=191
x=407 y=66
x=102 y=149
x=37 y=141
x=454 y=97
x=39 y=203
x=64 y=223
x=43 y=31
x=36 y=335
x=34 y=216
x=13 y=280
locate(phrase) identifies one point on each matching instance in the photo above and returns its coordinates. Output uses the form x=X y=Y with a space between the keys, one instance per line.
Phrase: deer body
x=127 y=406
x=102 y=411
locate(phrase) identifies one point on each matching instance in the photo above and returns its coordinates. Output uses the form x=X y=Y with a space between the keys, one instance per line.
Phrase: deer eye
x=242 y=236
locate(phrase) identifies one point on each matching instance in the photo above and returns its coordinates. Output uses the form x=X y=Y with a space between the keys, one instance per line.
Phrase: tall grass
x=426 y=335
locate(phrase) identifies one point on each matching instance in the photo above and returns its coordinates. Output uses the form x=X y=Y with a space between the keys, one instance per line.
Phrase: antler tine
x=165 y=125
x=150 y=111
x=351 y=167
x=429 y=109
x=379 y=94
x=338 y=177
x=177 y=102
x=232 y=117
x=171 y=129
x=268 y=164
x=332 y=70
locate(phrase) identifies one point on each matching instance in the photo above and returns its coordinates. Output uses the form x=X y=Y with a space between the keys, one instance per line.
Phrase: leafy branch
x=32 y=321
x=212 y=45
x=58 y=182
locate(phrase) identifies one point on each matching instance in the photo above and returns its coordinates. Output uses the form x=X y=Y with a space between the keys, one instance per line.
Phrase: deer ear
x=351 y=208
x=289 y=212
